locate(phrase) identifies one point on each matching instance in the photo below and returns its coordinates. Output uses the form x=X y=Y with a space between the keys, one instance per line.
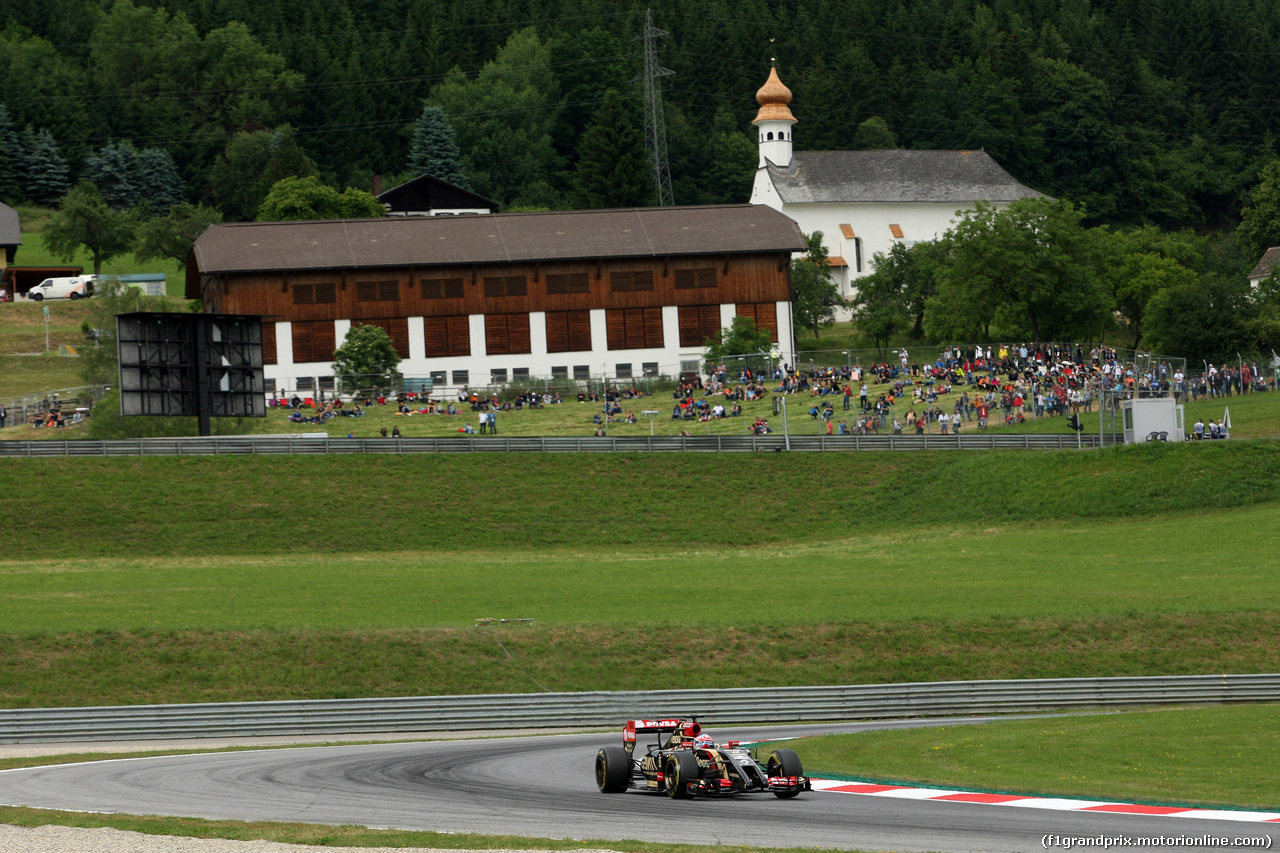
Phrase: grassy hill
x=167 y=580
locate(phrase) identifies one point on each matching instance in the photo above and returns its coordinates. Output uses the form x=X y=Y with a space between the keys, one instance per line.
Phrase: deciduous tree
x=814 y=296
x=85 y=219
x=251 y=165
x=880 y=304
x=172 y=236
x=367 y=360
x=307 y=198
x=743 y=337
x=1204 y=321
x=1031 y=270
x=504 y=118
x=1260 y=221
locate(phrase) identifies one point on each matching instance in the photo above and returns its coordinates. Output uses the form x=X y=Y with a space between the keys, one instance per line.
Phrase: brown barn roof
x=396 y=241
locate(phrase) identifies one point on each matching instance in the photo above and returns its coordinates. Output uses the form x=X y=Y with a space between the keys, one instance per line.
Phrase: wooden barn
x=478 y=300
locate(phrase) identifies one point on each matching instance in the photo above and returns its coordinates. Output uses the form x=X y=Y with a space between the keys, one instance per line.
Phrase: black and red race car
x=687 y=762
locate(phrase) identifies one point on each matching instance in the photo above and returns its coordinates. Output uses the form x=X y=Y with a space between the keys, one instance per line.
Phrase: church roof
x=816 y=177
x=773 y=98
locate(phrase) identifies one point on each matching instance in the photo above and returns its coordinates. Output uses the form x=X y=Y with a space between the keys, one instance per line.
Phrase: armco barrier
x=320 y=445
x=605 y=709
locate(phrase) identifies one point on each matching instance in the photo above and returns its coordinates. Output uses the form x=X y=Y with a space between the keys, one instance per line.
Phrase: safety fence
x=610 y=709
x=321 y=446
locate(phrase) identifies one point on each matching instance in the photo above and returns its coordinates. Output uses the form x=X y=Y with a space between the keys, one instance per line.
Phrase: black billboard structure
x=194 y=365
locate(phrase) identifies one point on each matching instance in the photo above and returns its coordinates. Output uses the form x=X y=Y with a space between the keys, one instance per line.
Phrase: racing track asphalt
x=544 y=786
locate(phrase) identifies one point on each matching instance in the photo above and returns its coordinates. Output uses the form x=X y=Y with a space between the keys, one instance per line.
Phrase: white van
x=62 y=288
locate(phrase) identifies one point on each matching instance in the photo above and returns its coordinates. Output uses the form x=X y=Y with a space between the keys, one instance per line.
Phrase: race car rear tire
x=680 y=769
x=784 y=762
x=613 y=770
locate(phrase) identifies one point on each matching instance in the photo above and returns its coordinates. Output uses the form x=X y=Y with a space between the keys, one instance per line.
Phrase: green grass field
x=317 y=577
x=1211 y=756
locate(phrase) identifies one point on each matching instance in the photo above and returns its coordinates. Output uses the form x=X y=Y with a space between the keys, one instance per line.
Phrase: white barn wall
x=539 y=362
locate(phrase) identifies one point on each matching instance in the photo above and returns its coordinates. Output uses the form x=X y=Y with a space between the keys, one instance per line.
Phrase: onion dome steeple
x=774 y=121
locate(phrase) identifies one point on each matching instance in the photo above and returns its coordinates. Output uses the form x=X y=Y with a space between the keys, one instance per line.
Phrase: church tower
x=774 y=121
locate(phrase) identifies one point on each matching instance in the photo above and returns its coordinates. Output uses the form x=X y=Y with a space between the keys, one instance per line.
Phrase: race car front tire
x=613 y=770
x=680 y=769
x=784 y=762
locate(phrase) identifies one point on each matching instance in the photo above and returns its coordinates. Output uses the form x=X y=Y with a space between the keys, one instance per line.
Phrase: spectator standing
x=4 y=413
x=484 y=422
x=493 y=422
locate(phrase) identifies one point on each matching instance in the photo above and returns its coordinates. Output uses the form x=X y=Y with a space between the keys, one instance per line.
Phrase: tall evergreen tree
x=43 y=177
x=113 y=170
x=10 y=153
x=613 y=168
x=160 y=184
x=434 y=150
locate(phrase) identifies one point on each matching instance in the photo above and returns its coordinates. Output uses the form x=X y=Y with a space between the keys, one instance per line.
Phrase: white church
x=865 y=201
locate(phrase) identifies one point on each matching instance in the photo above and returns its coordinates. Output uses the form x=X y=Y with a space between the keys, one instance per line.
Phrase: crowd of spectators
x=962 y=388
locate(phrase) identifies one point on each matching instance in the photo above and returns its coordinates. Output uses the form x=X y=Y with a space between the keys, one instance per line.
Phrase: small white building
x=865 y=201
x=1152 y=419
x=1266 y=265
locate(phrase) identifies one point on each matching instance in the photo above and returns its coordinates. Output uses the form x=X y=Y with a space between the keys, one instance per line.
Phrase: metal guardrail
x=293 y=446
x=610 y=709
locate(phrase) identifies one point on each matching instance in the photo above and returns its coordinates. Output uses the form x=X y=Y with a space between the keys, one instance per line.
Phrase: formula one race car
x=688 y=762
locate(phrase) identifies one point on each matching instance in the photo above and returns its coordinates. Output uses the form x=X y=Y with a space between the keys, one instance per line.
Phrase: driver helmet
x=703 y=741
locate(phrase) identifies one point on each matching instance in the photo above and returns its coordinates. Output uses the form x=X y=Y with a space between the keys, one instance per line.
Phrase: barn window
x=377 y=291
x=698 y=323
x=325 y=293
x=447 y=336
x=628 y=282
x=568 y=331
x=634 y=328
x=695 y=278
x=507 y=334
x=442 y=288
x=765 y=315
x=570 y=282
x=505 y=285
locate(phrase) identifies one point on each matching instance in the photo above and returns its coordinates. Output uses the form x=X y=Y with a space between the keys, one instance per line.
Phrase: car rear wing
x=679 y=729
